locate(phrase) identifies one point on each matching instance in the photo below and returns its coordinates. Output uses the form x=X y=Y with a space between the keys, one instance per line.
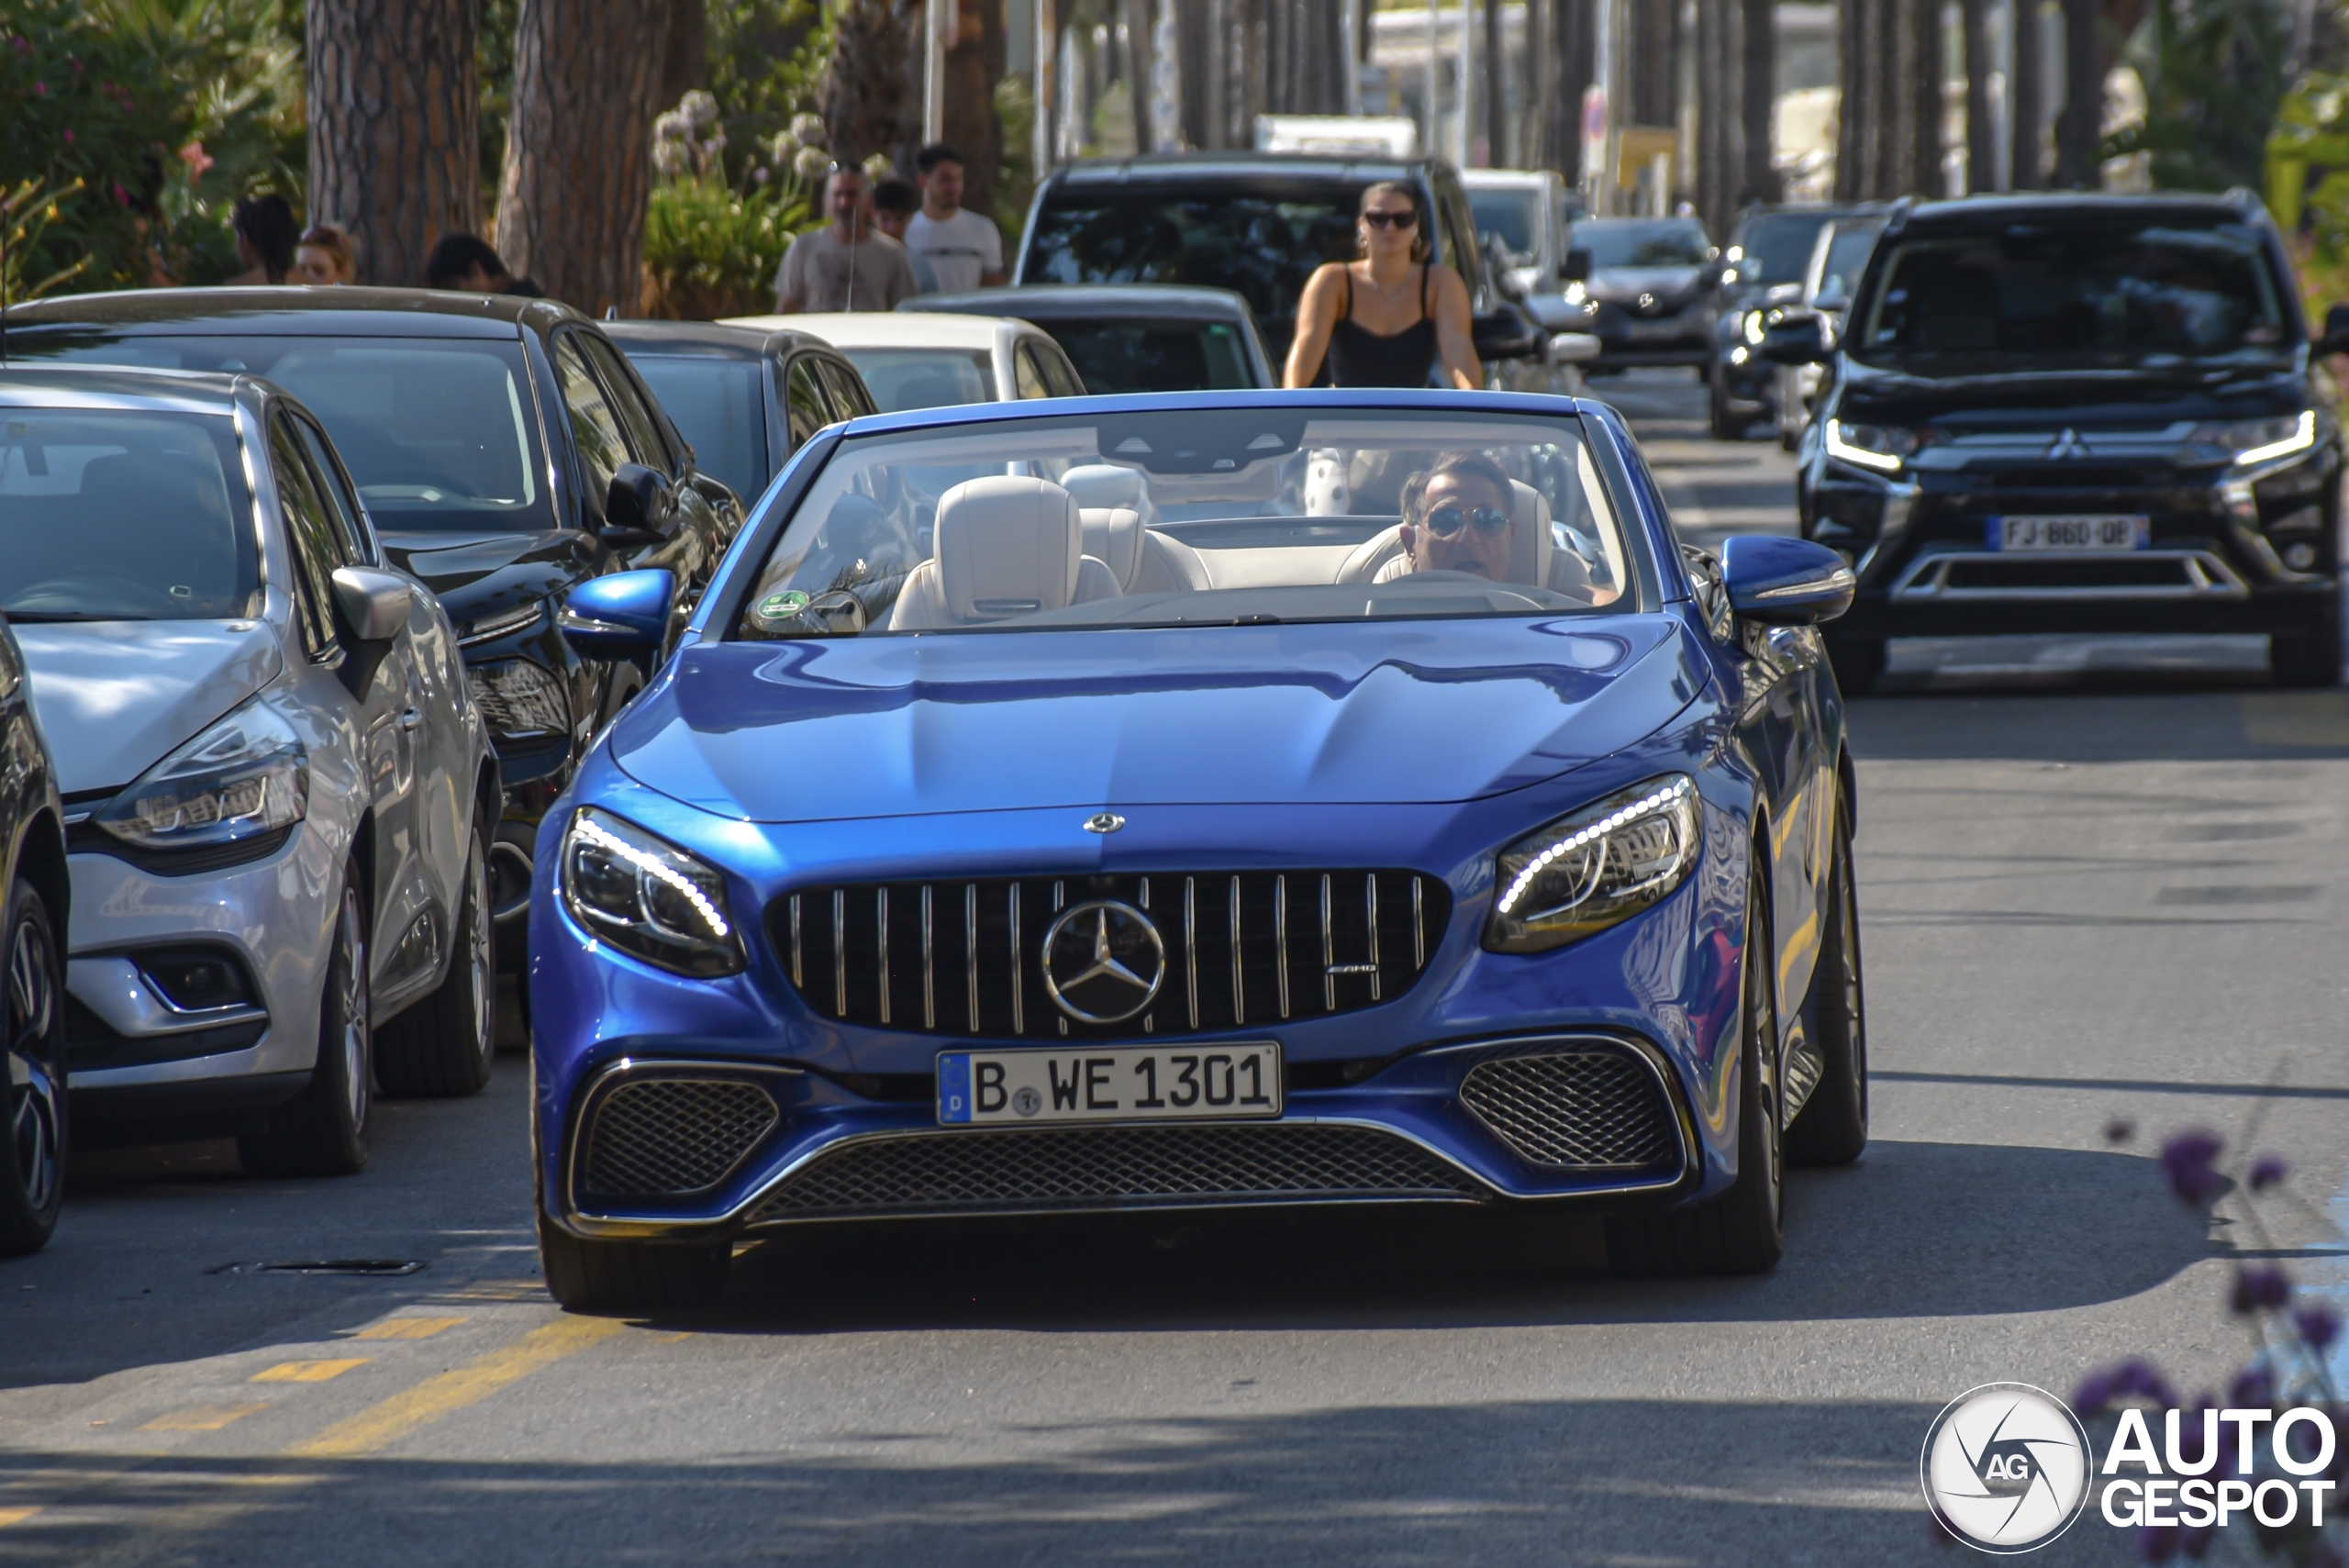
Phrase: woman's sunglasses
x=1391 y=219
x=1445 y=521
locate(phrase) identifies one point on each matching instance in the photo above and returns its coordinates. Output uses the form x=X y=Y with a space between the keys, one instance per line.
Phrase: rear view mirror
x=635 y=506
x=1795 y=340
x=1507 y=333
x=1577 y=267
x=373 y=605
x=1574 y=348
x=2336 y=331
x=624 y=615
x=1775 y=580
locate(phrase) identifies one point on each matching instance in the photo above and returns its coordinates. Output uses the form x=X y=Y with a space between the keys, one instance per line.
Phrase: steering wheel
x=72 y=593
x=1500 y=591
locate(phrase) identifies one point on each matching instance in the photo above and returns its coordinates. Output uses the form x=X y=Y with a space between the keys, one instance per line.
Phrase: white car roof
x=888 y=329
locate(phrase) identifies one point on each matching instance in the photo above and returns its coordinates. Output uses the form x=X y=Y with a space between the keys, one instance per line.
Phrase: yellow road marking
x=375 y=1430
x=16 y=1516
x=307 y=1371
x=406 y=1327
x=201 y=1418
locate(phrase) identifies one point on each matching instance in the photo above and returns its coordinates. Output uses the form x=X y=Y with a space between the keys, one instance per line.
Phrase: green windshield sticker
x=783 y=605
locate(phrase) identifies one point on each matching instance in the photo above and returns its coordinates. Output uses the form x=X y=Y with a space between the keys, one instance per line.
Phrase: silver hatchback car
x=278 y=792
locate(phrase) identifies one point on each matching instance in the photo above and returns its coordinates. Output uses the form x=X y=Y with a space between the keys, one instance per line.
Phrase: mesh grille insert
x=1112 y=1166
x=672 y=1137
x=1577 y=1109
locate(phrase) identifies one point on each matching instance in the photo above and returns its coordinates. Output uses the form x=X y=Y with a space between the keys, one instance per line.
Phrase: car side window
x=850 y=400
x=804 y=400
x=1059 y=374
x=334 y=489
x=594 y=426
x=1028 y=376
x=317 y=548
x=639 y=423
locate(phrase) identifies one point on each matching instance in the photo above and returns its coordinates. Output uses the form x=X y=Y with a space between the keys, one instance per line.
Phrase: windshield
x=439 y=433
x=1197 y=517
x=1644 y=242
x=1775 y=249
x=1515 y=217
x=1847 y=258
x=714 y=403
x=2078 y=295
x=1157 y=356
x=129 y=515
x=900 y=379
x=1263 y=246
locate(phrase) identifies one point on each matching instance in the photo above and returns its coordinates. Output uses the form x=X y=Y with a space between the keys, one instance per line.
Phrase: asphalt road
x=2092 y=888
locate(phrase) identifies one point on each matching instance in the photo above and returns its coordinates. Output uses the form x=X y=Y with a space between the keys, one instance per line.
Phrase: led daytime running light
x=2303 y=437
x=1837 y=447
x=1670 y=795
x=587 y=829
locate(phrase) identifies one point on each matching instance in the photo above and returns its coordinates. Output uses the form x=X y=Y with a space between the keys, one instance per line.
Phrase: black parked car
x=1648 y=295
x=1257 y=223
x=505 y=451
x=744 y=399
x=1136 y=337
x=1763 y=267
x=2076 y=413
x=35 y=897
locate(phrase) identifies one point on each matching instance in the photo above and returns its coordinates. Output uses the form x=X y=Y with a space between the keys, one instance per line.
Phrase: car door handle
x=411 y=718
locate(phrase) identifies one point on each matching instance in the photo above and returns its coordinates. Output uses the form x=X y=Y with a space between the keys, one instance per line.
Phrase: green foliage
x=712 y=248
x=2307 y=165
x=765 y=57
x=25 y=214
x=2214 y=77
x=1015 y=105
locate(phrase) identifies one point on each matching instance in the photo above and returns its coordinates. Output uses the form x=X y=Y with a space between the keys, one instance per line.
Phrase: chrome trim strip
x=971 y=947
x=928 y=967
x=1019 y=1002
x=1191 y=945
x=881 y=929
x=1239 y=980
x=795 y=942
x=1280 y=938
x=2202 y=575
x=1418 y=929
x=839 y=952
x=1369 y=888
x=1329 y=980
x=1149 y=1016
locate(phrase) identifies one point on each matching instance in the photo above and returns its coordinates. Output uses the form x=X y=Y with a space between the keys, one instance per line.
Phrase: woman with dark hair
x=1390 y=319
x=266 y=234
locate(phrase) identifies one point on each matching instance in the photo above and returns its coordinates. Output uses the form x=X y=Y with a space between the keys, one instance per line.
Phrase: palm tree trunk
x=2079 y=130
x=2027 y=91
x=393 y=152
x=1758 y=102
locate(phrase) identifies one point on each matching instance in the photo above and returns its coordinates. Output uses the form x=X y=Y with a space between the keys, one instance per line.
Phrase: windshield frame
x=1654 y=580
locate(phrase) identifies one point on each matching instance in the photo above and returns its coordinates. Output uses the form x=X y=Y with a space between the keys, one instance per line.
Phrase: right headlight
x=240 y=781
x=1880 y=446
x=647 y=897
x=1594 y=868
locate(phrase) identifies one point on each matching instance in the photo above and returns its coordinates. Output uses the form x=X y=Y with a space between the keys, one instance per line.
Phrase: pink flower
x=69 y=139
x=41 y=89
x=121 y=196
x=75 y=64
x=197 y=160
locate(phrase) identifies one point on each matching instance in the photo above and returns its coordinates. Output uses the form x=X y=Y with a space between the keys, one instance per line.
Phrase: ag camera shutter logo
x=2006 y=1468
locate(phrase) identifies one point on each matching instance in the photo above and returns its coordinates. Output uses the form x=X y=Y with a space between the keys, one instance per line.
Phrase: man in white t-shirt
x=952 y=250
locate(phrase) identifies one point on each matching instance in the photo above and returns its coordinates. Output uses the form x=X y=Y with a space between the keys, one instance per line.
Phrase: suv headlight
x=647 y=897
x=2260 y=440
x=244 y=778
x=1880 y=446
x=1599 y=866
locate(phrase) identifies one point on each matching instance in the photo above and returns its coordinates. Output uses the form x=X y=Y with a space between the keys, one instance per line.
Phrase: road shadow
x=2125 y=724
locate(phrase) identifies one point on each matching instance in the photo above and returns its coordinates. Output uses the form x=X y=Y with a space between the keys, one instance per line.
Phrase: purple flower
x=2267 y=1171
x=2131 y=1379
x=2158 y=1544
x=2195 y=1542
x=41 y=89
x=121 y=196
x=2252 y=1389
x=2326 y=1555
x=2260 y=1288
x=2189 y=1160
x=2119 y=1130
x=2319 y=1325
x=69 y=138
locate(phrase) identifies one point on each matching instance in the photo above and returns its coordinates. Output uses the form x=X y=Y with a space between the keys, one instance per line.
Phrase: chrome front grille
x=1591 y=1109
x=672 y=1137
x=2187 y=573
x=1110 y=1167
x=1242 y=949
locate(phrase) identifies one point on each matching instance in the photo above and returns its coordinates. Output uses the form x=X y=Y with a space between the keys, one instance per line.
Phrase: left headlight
x=244 y=778
x=1880 y=446
x=1603 y=864
x=647 y=897
x=519 y=700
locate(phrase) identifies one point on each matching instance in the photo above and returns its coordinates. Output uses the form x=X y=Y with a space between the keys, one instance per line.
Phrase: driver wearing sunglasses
x=1457 y=517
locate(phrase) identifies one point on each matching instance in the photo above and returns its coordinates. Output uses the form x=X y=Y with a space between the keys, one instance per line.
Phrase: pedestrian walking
x=325 y=256
x=846 y=264
x=466 y=263
x=1392 y=317
x=265 y=233
x=895 y=202
x=952 y=250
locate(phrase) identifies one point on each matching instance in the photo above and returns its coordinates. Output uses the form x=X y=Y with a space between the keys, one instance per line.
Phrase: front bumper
x=1629 y=339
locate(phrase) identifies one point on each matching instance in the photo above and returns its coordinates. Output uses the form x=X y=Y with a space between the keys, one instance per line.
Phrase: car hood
x=114 y=696
x=2058 y=397
x=1623 y=285
x=475 y=576
x=1388 y=713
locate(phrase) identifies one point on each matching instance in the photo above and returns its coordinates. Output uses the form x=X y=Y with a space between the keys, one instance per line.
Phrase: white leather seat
x=1162 y=565
x=1113 y=536
x=1006 y=548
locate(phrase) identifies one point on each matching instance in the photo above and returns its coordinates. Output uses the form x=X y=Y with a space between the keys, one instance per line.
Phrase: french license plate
x=1116 y=1082
x=1663 y=331
x=2087 y=531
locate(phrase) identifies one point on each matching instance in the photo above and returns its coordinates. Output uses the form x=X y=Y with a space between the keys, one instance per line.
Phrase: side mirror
x=624 y=615
x=635 y=506
x=1577 y=267
x=373 y=603
x=1574 y=348
x=2336 y=332
x=1506 y=333
x=1795 y=340
x=1775 y=580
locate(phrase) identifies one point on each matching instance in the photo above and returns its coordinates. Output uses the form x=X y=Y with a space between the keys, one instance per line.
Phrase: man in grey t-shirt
x=844 y=265
x=953 y=250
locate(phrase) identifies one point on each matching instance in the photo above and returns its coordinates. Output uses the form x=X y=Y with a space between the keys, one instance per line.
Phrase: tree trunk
x=973 y=66
x=579 y=147
x=684 y=50
x=1497 y=147
x=1758 y=102
x=1981 y=129
x=1721 y=118
x=1887 y=139
x=2027 y=91
x=394 y=155
x=2079 y=130
x=1922 y=60
x=1859 y=109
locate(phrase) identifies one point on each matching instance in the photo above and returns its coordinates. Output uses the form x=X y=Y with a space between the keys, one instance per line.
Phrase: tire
x=443 y=1047
x=1726 y=426
x=2310 y=657
x=1832 y=1129
x=322 y=1131
x=1742 y=1230
x=36 y=1128
x=629 y=1278
x=1859 y=663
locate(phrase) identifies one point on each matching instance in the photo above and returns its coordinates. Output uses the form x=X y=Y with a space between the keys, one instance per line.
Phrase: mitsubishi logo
x=1103 y=961
x=2068 y=444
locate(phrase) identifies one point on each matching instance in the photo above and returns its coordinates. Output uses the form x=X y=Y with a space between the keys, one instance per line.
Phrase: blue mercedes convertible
x=1202 y=801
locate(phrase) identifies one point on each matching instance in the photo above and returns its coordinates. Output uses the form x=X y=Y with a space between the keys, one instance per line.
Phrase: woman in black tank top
x=1397 y=268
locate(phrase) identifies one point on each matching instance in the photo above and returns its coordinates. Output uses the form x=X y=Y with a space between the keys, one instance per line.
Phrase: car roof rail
x=2242 y=199
x=1897 y=218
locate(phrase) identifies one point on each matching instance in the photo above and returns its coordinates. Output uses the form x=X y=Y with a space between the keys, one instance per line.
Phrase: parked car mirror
x=1574 y=348
x=373 y=603
x=1507 y=333
x=2336 y=332
x=1775 y=581
x=1795 y=340
x=1577 y=267
x=623 y=616
x=635 y=508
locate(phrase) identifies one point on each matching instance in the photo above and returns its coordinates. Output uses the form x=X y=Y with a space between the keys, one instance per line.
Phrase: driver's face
x=1471 y=548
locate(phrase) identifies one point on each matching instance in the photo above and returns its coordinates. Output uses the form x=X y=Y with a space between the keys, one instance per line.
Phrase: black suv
x=1257 y=224
x=505 y=451
x=2076 y=413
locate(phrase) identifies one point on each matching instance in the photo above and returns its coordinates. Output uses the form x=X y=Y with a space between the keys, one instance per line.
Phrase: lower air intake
x=672 y=1137
x=1582 y=1110
x=1111 y=1167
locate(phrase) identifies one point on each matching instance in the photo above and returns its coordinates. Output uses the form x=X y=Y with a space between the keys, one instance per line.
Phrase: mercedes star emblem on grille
x=1103 y=961
x=1103 y=822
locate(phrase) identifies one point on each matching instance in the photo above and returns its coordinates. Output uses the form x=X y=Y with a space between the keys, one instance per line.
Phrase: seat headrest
x=1528 y=536
x=1007 y=547
x=1107 y=484
x=1113 y=536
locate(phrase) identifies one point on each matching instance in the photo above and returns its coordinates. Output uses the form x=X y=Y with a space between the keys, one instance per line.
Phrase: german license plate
x=1115 y=1083
x=2101 y=532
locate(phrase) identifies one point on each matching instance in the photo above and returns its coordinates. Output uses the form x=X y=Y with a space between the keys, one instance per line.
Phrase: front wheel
x=1725 y=423
x=32 y=1169
x=1832 y=1129
x=443 y=1047
x=630 y=1277
x=322 y=1131
x=2311 y=655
